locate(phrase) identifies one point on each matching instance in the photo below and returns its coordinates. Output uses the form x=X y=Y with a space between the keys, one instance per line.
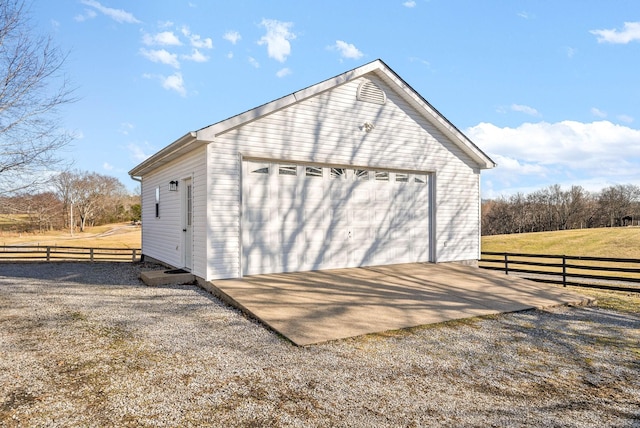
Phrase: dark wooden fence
x=17 y=253
x=596 y=272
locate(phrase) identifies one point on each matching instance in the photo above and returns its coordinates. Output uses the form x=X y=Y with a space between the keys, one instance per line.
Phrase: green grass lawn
x=619 y=242
x=622 y=242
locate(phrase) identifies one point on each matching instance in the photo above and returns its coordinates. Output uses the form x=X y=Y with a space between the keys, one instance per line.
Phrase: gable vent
x=371 y=93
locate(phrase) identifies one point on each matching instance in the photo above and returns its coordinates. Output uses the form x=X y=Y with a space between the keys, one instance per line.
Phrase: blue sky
x=549 y=89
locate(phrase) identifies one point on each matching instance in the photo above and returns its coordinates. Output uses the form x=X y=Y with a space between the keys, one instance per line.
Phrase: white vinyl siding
x=327 y=129
x=162 y=237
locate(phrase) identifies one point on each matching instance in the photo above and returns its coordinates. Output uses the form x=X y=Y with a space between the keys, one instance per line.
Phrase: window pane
x=263 y=170
x=420 y=179
x=338 y=173
x=382 y=176
x=313 y=171
x=361 y=174
x=288 y=170
x=402 y=177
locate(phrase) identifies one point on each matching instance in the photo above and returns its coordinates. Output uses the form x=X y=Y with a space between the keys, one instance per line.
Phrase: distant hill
x=602 y=242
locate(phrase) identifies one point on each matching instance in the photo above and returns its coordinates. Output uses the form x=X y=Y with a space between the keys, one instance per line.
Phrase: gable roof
x=207 y=134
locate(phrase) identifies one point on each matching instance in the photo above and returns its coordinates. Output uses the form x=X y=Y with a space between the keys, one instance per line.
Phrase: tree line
x=554 y=208
x=71 y=201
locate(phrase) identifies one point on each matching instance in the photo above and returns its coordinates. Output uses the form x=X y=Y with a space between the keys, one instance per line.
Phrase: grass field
x=121 y=235
x=621 y=242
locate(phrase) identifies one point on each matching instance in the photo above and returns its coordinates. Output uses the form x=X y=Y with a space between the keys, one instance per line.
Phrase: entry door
x=187 y=222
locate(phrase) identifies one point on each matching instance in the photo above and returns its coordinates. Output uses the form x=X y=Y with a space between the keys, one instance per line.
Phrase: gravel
x=90 y=345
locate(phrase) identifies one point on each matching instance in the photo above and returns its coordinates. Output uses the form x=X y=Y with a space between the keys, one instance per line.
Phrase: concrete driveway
x=313 y=307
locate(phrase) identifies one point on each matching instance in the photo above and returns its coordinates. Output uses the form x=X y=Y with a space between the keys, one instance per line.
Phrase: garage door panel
x=318 y=217
x=382 y=195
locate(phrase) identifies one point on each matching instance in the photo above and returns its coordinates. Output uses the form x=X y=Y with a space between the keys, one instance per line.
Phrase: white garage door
x=309 y=217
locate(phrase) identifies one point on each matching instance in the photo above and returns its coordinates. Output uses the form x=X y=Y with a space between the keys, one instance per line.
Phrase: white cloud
x=277 y=38
x=570 y=52
x=568 y=143
x=254 y=62
x=117 y=15
x=196 y=40
x=525 y=109
x=162 y=56
x=629 y=33
x=88 y=14
x=523 y=15
x=347 y=50
x=199 y=42
x=165 y=38
x=125 y=127
x=138 y=153
x=107 y=166
x=420 y=60
x=625 y=118
x=175 y=83
x=283 y=72
x=165 y=24
x=535 y=155
x=232 y=36
x=598 y=113
x=196 y=56
x=230 y=55
x=409 y=4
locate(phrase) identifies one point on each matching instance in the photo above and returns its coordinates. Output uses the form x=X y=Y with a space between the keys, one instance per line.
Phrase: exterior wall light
x=367 y=126
x=173 y=186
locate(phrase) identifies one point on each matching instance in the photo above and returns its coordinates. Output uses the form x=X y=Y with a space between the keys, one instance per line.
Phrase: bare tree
x=32 y=88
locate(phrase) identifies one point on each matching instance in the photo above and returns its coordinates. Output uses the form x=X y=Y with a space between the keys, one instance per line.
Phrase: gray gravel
x=89 y=345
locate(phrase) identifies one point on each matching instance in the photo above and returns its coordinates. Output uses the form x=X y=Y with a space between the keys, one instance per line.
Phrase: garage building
x=356 y=170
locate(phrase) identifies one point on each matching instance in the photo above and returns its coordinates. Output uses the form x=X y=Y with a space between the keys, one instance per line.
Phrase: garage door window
x=288 y=170
x=382 y=176
x=361 y=174
x=339 y=173
x=420 y=179
x=402 y=177
x=260 y=170
x=313 y=171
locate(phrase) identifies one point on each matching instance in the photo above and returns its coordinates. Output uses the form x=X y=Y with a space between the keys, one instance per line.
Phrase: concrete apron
x=314 y=307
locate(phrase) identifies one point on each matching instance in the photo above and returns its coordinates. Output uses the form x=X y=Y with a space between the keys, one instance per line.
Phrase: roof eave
x=179 y=147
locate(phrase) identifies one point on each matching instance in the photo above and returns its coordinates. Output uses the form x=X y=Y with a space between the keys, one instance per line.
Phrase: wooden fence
x=596 y=272
x=21 y=253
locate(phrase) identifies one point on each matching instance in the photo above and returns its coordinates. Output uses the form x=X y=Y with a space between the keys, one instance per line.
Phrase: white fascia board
x=172 y=151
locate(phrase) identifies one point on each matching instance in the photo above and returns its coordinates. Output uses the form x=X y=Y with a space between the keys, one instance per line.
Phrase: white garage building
x=357 y=170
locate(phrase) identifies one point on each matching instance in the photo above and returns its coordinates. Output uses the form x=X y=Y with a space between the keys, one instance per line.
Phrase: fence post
x=564 y=271
x=133 y=255
x=91 y=254
x=506 y=264
x=48 y=253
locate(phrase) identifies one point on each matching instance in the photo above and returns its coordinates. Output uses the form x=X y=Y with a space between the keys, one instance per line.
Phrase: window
x=189 y=205
x=382 y=175
x=288 y=170
x=361 y=174
x=157 y=202
x=402 y=177
x=338 y=173
x=313 y=171
x=262 y=170
x=420 y=179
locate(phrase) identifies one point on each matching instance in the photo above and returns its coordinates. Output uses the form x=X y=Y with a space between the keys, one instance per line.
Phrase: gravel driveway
x=89 y=345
